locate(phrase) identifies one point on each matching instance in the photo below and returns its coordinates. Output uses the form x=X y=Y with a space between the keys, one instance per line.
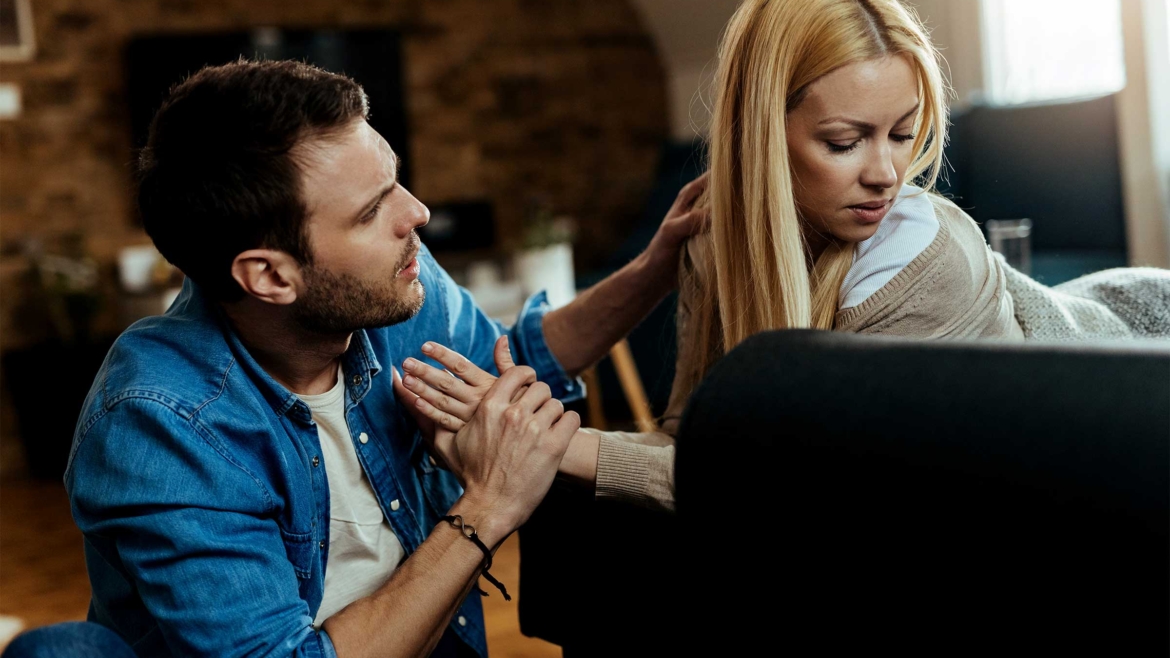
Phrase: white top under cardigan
x=906 y=231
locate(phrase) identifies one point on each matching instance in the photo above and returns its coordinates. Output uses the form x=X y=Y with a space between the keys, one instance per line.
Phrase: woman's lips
x=411 y=270
x=871 y=213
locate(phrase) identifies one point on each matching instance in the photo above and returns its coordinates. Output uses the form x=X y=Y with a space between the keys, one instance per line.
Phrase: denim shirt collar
x=359 y=363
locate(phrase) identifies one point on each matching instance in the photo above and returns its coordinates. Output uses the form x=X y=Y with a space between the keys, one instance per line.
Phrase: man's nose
x=416 y=216
x=879 y=169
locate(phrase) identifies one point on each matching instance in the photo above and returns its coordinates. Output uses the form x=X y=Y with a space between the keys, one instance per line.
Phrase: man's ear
x=268 y=275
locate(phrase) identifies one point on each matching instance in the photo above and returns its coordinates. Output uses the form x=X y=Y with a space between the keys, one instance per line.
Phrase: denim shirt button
x=322 y=544
x=364 y=438
x=394 y=505
x=316 y=461
x=462 y=620
x=357 y=379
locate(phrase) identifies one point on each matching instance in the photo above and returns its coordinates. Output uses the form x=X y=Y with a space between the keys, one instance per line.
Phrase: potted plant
x=49 y=379
x=545 y=260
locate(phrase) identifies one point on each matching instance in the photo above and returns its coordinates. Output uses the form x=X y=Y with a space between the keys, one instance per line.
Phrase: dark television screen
x=371 y=57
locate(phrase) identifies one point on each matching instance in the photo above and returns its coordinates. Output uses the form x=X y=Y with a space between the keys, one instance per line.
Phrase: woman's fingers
x=456 y=363
x=503 y=355
x=442 y=419
x=424 y=414
x=439 y=400
x=441 y=380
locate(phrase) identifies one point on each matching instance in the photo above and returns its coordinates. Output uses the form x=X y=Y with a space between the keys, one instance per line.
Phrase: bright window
x=1041 y=50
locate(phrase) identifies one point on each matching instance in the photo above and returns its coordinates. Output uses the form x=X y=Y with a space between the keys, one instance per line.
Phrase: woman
x=825 y=111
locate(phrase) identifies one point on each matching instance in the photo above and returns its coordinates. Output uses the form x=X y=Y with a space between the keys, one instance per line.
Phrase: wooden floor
x=43 y=580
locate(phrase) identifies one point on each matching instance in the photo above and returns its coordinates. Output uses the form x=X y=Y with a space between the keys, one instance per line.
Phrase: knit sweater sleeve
x=638 y=467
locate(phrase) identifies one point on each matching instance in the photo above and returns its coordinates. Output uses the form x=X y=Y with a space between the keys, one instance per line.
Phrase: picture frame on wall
x=17 y=43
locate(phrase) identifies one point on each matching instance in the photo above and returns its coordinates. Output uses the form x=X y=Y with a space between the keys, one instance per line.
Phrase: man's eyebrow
x=864 y=125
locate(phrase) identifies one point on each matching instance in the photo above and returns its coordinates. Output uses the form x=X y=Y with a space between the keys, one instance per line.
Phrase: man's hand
x=509 y=452
x=443 y=401
x=685 y=219
x=503 y=438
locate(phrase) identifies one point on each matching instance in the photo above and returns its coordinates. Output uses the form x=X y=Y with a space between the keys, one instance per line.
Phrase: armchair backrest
x=937 y=495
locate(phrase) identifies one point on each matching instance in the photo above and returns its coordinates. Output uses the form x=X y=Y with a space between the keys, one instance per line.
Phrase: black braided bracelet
x=469 y=531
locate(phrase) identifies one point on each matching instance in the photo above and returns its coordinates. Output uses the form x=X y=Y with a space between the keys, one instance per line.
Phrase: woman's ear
x=268 y=275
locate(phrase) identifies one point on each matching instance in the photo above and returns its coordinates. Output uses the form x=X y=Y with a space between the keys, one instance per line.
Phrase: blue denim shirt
x=192 y=474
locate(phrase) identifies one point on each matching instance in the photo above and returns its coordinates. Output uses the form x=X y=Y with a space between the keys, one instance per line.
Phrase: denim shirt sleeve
x=173 y=518
x=473 y=334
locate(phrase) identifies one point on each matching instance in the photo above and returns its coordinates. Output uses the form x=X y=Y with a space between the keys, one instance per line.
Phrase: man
x=246 y=481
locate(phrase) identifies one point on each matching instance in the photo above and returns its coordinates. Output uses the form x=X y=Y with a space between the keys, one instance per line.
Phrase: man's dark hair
x=218 y=175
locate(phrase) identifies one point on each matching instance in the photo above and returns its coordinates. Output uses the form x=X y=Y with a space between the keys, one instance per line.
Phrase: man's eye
x=373 y=212
x=842 y=148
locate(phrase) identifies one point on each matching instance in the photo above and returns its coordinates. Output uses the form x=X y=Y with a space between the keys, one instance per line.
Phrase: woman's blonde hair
x=771 y=52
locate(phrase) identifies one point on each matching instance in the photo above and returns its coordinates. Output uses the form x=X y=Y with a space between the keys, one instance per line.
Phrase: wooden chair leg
x=593 y=399
x=627 y=372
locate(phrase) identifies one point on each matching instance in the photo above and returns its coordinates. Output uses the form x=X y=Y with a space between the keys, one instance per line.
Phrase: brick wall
x=505 y=98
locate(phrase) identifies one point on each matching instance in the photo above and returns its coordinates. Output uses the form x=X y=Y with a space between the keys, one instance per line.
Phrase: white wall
x=1143 y=110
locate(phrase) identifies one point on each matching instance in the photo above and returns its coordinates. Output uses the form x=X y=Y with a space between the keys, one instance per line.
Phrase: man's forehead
x=342 y=170
x=350 y=153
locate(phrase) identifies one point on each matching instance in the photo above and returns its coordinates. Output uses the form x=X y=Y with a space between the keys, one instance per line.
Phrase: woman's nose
x=879 y=169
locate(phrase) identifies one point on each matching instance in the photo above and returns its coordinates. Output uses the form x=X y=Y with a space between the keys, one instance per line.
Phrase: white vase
x=550 y=269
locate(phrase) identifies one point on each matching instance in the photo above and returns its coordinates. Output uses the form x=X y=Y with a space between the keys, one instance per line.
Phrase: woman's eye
x=842 y=148
x=901 y=139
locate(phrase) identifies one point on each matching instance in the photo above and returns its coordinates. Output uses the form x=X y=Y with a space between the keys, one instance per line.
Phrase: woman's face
x=851 y=141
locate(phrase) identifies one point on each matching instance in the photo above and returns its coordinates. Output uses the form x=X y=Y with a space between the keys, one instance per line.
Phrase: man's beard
x=341 y=304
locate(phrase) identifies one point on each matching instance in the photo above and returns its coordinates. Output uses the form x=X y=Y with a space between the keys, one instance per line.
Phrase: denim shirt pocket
x=302 y=551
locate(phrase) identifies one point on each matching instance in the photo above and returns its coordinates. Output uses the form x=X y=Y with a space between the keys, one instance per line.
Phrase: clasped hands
x=444 y=402
x=503 y=438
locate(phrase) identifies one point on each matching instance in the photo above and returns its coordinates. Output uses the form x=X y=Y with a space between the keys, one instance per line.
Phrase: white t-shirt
x=906 y=231
x=363 y=550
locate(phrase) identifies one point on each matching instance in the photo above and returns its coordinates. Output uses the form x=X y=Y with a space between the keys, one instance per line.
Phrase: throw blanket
x=1131 y=302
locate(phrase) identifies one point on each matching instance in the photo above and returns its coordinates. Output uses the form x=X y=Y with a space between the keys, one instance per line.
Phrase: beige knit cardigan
x=954 y=289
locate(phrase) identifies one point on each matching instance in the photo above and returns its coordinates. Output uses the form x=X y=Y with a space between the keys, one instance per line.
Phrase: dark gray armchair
x=839 y=493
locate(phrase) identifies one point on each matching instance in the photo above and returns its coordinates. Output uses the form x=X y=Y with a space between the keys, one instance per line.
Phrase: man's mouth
x=411 y=269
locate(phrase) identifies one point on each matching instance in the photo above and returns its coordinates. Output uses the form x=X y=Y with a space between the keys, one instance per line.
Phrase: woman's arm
x=633 y=466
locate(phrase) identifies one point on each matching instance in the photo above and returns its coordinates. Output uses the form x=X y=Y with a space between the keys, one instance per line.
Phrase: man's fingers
x=503 y=355
x=548 y=414
x=438 y=399
x=690 y=192
x=563 y=430
x=536 y=395
x=441 y=380
x=503 y=391
x=461 y=366
x=698 y=221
